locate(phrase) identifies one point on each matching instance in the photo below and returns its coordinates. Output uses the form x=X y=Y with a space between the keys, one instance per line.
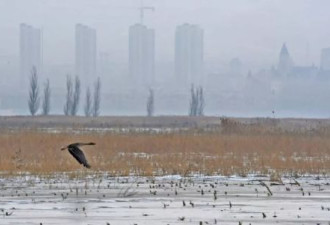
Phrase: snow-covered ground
x=100 y=199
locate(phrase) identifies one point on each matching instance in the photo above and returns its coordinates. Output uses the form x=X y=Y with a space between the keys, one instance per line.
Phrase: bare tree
x=193 y=102
x=150 y=103
x=197 y=102
x=201 y=102
x=68 y=101
x=34 y=100
x=88 y=104
x=46 y=99
x=76 y=97
x=97 y=98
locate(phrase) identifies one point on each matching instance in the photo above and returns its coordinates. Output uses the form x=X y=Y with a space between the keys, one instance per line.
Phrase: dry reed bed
x=177 y=153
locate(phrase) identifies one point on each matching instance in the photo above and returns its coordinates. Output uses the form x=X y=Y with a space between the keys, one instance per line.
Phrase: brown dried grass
x=176 y=153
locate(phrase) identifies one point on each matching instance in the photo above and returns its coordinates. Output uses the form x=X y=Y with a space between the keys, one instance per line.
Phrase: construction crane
x=142 y=8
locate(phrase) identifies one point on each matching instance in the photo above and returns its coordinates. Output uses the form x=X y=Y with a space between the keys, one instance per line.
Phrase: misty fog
x=252 y=57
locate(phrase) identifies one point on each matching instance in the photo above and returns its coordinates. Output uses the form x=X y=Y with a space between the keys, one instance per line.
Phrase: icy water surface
x=164 y=200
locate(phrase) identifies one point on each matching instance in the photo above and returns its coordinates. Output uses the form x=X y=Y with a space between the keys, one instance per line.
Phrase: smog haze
x=251 y=58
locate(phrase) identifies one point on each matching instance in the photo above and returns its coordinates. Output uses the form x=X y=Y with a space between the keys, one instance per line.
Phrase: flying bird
x=76 y=152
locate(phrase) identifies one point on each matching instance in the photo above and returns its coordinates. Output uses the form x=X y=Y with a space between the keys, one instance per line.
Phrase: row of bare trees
x=71 y=106
x=34 y=99
x=92 y=102
x=196 y=107
x=197 y=101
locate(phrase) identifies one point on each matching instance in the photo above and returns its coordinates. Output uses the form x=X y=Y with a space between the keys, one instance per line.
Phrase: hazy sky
x=253 y=30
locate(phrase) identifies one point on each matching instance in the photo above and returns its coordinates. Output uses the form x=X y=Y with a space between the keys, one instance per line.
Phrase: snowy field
x=101 y=199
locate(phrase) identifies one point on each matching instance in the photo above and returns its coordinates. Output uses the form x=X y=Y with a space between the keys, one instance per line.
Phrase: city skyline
x=236 y=56
x=87 y=55
x=242 y=32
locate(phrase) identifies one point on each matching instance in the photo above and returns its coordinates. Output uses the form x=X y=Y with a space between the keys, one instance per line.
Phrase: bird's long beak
x=89 y=143
x=64 y=148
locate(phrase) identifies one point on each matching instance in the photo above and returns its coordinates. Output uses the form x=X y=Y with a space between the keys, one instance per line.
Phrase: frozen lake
x=99 y=199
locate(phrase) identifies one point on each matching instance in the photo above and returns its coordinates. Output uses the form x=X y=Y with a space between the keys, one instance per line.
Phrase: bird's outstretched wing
x=79 y=156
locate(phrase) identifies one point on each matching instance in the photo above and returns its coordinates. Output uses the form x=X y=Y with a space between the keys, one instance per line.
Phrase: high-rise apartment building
x=325 y=59
x=141 y=54
x=189 y=54
x=30 y=51
x=86 y=54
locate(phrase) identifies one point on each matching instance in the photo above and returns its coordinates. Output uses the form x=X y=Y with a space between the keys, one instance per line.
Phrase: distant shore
x=58 y=121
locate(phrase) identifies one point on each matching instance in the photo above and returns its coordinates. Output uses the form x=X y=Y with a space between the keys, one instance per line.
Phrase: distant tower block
x=235 y=66
x=141 y=54
x=86 y=54
x=189 y=54
x=30 y=52
x=285 y=63
x=325 y=59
